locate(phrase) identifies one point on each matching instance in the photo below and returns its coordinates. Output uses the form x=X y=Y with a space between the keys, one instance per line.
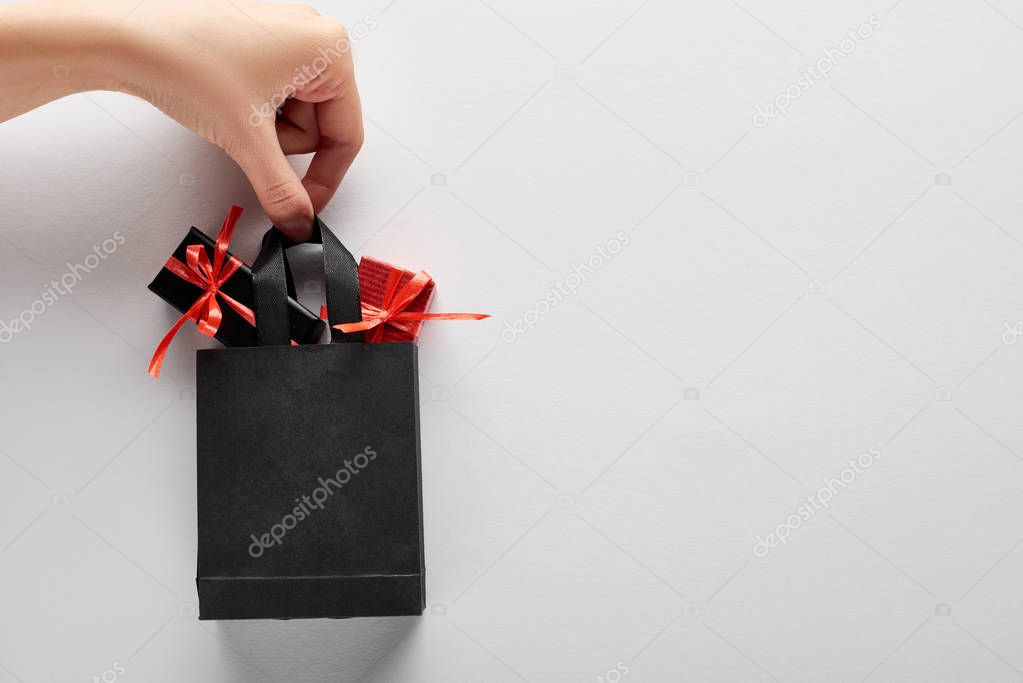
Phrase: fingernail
x=299 y=229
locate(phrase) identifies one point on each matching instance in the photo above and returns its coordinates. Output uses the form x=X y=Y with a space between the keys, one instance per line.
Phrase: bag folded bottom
x=311 y=597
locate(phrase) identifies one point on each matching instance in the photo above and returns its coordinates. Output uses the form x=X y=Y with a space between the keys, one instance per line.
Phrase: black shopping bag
x=309 y=484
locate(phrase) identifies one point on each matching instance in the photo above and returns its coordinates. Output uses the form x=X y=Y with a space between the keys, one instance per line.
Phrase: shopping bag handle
x=271 y=282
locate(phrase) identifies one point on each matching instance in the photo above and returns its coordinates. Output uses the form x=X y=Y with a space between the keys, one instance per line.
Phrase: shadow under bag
x=308 y=462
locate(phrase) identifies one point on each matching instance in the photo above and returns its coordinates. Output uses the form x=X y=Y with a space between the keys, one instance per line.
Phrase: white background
x=836 y=280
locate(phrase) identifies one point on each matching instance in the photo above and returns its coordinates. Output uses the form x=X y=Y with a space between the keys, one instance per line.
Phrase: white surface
x=646 y=561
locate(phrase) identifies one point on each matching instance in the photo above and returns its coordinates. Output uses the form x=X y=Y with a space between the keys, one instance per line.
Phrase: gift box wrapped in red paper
x=380 y=282
x=395 y=303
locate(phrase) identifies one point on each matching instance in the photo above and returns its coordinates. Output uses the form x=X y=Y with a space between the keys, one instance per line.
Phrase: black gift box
x=309 y=477
x=305 y=326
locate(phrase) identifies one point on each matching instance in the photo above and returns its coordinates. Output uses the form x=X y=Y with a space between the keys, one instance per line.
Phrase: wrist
x=60 y=47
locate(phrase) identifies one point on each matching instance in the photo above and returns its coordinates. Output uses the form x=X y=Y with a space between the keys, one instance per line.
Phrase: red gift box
x=394 y=303
x=378 y=282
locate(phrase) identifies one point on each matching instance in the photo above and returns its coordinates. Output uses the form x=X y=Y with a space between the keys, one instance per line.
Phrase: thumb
x=280 y=192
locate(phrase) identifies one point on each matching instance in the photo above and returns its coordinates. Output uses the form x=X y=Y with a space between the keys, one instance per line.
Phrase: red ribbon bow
x=198 y=270
x=392 y=311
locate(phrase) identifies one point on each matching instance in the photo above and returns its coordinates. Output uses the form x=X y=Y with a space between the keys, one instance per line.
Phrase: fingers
x=297 y=128
x=341 y=136
x=281 y=194
x=326 y=118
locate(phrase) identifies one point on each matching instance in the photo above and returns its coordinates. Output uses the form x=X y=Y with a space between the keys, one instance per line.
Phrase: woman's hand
x=222 y=68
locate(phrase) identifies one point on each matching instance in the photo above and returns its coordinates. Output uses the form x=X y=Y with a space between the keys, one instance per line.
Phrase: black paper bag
x=309 y=484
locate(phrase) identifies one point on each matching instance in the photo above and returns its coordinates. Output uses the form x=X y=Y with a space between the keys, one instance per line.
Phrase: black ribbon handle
x=272 y=283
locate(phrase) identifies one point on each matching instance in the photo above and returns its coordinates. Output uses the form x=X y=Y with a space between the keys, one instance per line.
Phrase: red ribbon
x=198 y=270
x=392 y=311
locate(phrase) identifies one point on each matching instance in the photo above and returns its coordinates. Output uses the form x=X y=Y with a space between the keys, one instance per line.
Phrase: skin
x=221 y=68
